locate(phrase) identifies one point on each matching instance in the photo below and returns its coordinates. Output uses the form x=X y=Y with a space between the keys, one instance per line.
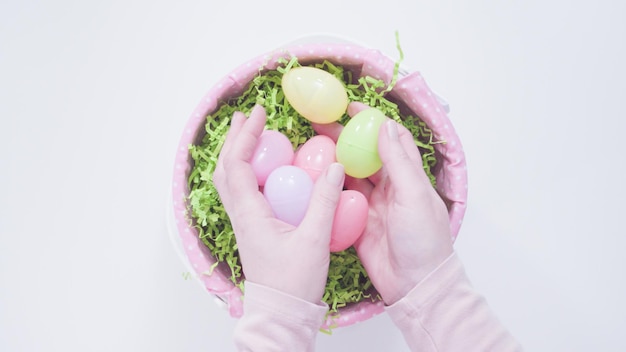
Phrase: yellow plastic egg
x=315 y=94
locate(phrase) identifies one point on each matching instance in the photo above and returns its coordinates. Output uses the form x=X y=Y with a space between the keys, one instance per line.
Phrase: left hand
x=293 y=260
x=407 y=235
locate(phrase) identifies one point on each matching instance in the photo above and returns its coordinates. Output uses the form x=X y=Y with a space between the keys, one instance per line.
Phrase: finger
x=247 y=137
x=332 y=130
x=378 y=176
x=219 y=175
x=323 y=203
x=356 y=107
x=400 y=157
x=236 y=123
x=408 y=144
x=240 y=178
x=363 y=185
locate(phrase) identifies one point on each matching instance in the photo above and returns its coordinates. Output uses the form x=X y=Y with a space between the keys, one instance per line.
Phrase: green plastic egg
x=357 y=145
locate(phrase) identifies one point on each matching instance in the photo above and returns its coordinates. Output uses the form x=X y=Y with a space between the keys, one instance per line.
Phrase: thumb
x=324 y=200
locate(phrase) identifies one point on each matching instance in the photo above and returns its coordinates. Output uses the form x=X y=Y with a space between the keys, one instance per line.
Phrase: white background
x=94 y=97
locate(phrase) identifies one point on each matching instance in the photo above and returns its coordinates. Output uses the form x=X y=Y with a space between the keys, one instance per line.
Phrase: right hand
x=407 y=235
x=287 y=258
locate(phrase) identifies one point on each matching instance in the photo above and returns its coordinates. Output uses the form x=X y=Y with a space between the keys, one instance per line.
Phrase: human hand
x=407 y=234
x=293 y=260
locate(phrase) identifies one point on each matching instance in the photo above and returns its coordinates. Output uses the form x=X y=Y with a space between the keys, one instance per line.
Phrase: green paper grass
x=347 y=280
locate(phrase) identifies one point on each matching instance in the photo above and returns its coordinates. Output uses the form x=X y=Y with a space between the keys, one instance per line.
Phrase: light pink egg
x=350 y=220
x=315 y=155
x=273 y=150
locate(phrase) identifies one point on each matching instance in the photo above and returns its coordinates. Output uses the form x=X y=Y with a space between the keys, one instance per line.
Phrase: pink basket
x=410 y=88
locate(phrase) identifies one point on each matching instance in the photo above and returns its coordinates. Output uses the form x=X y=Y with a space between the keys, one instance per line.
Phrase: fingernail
x=257 y=110
x=238 y=115
x=335 y=174
x=392 y=130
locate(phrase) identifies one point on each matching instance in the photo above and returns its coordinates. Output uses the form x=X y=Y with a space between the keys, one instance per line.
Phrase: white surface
x=93 y=97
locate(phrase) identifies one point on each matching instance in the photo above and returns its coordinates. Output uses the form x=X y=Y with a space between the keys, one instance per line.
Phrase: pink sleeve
x=444 y=313
x=274 y=321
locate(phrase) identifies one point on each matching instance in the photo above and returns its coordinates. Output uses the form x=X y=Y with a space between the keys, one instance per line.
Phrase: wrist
x=408 y=280
x=300 y=290
x=281 y=304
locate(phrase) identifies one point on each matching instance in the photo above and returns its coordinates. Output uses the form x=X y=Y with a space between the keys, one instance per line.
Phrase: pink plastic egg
x=288 y=191
x=273 y=149
x=315 y=155
x=350 y=220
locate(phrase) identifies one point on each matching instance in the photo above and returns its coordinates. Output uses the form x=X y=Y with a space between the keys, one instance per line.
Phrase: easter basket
x=200 y=228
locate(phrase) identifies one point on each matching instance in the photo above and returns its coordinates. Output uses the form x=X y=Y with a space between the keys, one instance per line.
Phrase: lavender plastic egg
x=288 y=191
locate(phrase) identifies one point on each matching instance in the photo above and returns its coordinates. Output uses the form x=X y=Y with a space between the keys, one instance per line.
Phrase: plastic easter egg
x=350 y=220
x=315 y=155
x=288 y=191
x=315 y=94
x=273 y=149
x=357 y=145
